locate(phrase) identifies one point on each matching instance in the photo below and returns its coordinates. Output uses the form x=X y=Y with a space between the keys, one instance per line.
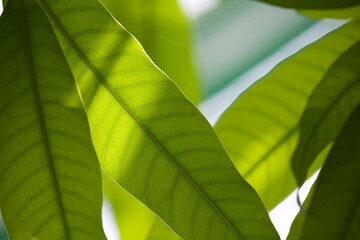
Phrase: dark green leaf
x=259 y=130
x=163 y=31
x=4 y=2
x=328 y=107
x=344 y=13
x=310 y=4
x=49 y=175
x=148 y=136
x=333 y=208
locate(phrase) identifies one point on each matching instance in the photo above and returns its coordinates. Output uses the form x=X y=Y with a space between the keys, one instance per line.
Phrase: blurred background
x=213 y=50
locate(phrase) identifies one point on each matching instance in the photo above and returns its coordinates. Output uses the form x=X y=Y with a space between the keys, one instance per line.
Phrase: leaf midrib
x=123 y=104
x=41 y=119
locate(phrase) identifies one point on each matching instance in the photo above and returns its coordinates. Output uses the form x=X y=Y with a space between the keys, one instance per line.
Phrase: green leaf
x=49 y=174
x=4 y=2
x=149 y=138
x=259 y=130
x=133 y=218
x=344 y=13
x=310 y=4
x=328 y=107
x=159 y=231
x=164 y=33
x=333 y=210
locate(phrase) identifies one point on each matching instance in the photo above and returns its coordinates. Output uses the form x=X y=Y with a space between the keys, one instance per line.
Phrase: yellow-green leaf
x=134 y=219
x=327 y=109
x=259 y=130
x=164 y=33
x=49 y=174
x=159 y=231
x=148 y=136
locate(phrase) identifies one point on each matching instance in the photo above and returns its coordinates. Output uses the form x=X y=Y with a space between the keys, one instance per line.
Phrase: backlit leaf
x=310 y=4
x=259 y=130
x=148 y=136
x=328 y=107
x=159 y=231
x=49 y=174
x=333 y=209
x=134 y=219
x=163 y=31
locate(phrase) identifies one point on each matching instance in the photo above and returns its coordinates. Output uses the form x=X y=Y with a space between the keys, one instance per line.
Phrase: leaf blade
x=164 y=33
x=133 y=218
x=160 y=231
x=259 y=130
x=330 y=104
x=344 y=13
x=322 y=4
x=140 y=129
x=40 y=177
x=332 y=210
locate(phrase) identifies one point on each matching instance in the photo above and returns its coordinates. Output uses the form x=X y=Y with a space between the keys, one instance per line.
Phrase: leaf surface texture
x=328 y=108
x=49 y=174
x=148 y=136
x=134 y=219
x=163 y=31
x=159 y=231
x=260 y=129
x=333 y=209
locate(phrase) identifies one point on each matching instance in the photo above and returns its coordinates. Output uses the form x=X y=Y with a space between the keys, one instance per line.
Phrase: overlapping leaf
x=259 y=130
x=159 y=231
x=344 y=13
x=309 y=4
x=328 y=108
x=133 y=218
x=163 y=31
x=148 y=136
x=49 y=175
x=135 y=221
x=333 y=210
